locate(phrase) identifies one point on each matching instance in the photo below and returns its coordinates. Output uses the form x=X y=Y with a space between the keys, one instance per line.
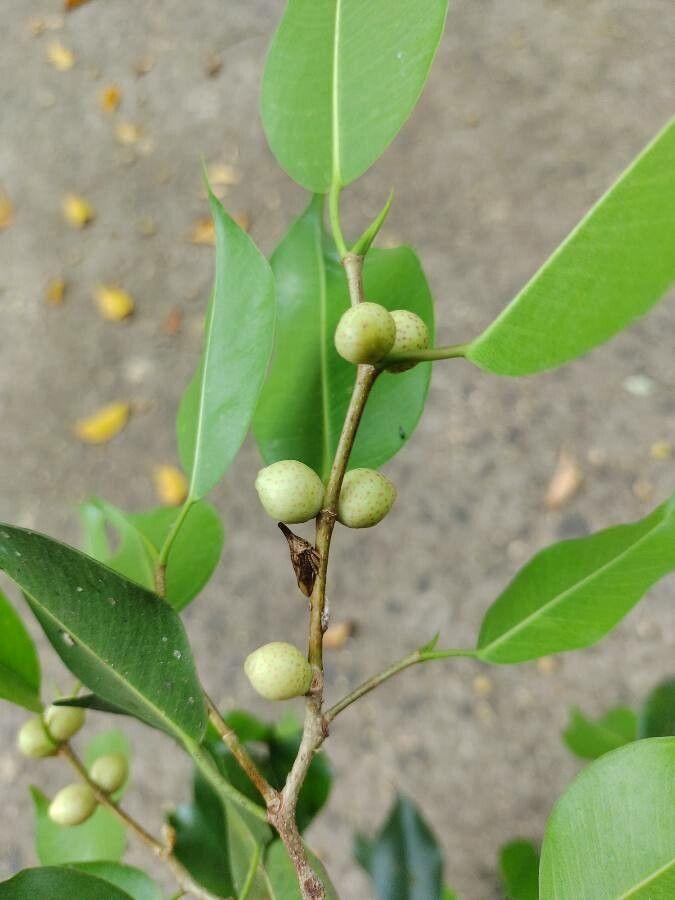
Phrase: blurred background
x=531 y=111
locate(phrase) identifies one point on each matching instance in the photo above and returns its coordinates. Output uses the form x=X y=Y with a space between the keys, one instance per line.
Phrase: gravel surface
x=532 y=109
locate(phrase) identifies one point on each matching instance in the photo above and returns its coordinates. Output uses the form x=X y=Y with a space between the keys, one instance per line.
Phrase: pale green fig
x=365 y=499
x=63 y=721
x=278 y=671
x=365 y=333
x=33 y=740
x=412 y=334
x=73 y=805
x=290 y=491
x=110 y=772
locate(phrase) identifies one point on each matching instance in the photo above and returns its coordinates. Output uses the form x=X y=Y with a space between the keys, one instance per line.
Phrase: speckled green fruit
x=64 y=721
x=73 y=805
x=33 y=740
x=411 y=334
x=365 y=333
x=290 y=491
x=365 y=498
x=278 y=671
x=110 y=772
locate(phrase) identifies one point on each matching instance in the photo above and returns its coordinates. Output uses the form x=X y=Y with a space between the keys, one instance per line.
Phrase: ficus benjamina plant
x=326 y=352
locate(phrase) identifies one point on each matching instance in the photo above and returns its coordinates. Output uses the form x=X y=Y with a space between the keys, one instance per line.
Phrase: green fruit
x=110 y=772
x=366 y=497
x=290 y=491
x=411 y=334
x=365 y=333
x=33 y=740
x=72 y=805
x=63 y=721
x=278 y=671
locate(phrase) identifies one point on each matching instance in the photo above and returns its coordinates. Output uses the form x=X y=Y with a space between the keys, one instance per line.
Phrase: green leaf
x=283 y=878
x=404 y=860
x=657 y=716
x=218 y=405
x=121 y=641
x=589 y=740
x=246 y=840
x=448 y=894
x=519 y=867
x=194 y=553
x=100 y=837
x=19 y=665
x=133 y=881
x=571 y=594
x=57 y=883
x=307 y=392
x=612 y=833
x=341 y=78
x=611 y=268
x=201 y=840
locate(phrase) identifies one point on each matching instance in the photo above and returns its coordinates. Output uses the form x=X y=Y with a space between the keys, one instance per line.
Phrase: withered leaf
x=104 y=424
x=566 y=481
x=171 y=485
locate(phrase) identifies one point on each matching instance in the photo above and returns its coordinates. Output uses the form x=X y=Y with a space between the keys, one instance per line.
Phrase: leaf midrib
x=199 y=430
x=662 y=870
x=547 y=607
x=335 y=96
x=323 y=337
x=171 y=725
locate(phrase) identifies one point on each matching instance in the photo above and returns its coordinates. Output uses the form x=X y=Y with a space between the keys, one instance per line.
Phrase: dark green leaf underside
x=58 y=883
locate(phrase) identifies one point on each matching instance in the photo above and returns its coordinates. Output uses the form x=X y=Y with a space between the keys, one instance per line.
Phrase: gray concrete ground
x=531 y=110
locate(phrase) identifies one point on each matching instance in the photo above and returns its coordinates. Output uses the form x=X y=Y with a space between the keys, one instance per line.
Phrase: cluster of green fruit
x=43 y=736
x=292 y=492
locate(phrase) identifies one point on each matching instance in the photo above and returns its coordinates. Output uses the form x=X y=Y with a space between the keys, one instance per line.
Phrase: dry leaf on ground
x=55 y=291
x=128 y=133
x=566 y=481
x=113 y=303
x=73 y=4
x=174 y=321
x=103 y=425
x=60 y=57
x=338 y=634
x=171 y=485
x=110 y=98
x=203 y=232
x=6 y=210
x=77 y=211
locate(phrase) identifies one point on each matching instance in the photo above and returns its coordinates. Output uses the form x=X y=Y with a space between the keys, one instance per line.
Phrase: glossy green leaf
x=101 y=837
x=341 y=78
x=133 y=881
x=246 y=844
x=612 y=268
x=57 y=883
x=305 y=398
x=282 y=875
x=19 y=665
x=192 y=559
x=121 y=641
x=201 y=840
x=571 y=594
x=194 y=553
x=612 y=834
x=589 y=740
x=657 y=716
x=218 y=405
x=404 y=860
x=519 y=868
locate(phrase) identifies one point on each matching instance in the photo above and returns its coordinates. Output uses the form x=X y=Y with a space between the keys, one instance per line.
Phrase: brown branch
x=264 y=788
x=161 y=851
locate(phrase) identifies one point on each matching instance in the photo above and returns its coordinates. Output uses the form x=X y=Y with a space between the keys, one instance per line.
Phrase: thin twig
x=370 y=684
x=264 y=788
x=160 y=850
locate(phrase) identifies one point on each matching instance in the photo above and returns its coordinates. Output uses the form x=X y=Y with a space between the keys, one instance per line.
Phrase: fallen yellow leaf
x=110 y=98
x=60 y=57
x=77 y=211
x=338 y=634
x=223 y=175
x=55 y=291
x=171 y=485
x=6 y=210
x=113 y=303
x=104 y=424
x=127 y=133
x=661 y=450
x=566 y=481
x=203 y=232
x=73 y=4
